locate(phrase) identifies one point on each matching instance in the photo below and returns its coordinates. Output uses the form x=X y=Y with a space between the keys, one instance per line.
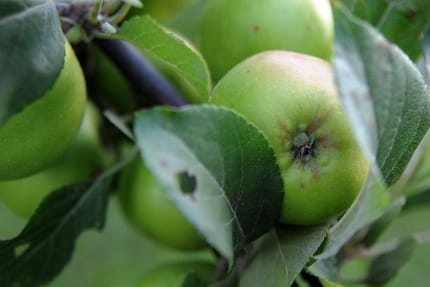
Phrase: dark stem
x=140 y=73
x=222 y=277
x=312 y=280
x=221 y=269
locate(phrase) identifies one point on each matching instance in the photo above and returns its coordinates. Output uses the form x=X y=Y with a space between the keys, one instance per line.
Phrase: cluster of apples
x=271 y=62
x=51 y=143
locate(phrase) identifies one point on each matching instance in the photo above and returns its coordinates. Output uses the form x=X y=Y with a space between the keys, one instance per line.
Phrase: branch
x=140 y=73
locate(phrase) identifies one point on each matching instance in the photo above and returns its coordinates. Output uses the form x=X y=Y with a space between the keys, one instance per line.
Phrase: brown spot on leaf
x=410 y=14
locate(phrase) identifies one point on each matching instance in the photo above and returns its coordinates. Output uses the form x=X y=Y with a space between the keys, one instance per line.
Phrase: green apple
x=234 y=30
x=292 y=99
x=83 y=157
x=36 y=137
x=149 y=209
x=174 y=274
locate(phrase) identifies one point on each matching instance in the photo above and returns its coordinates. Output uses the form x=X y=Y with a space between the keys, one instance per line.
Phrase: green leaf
x=383 y=92
x=193 y=280
x=414 y=271
x=282 y=256
x=414 y=223
x=31 y=52
x=379 y=226
x=404 y=22
x=417 y=174
x=421 y=199
x=386 y=265
x=369 y=10
x=154 y=40
x=234 y=190
x=355 y=269
x=325 y=269
x=424 y=62
x=46 y=244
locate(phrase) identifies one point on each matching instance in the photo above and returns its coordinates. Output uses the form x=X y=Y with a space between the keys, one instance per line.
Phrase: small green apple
x=83 y=157
x=36 y=137
x=292 y=99
x=174 y=274
x=234 y=30
x=149 y=209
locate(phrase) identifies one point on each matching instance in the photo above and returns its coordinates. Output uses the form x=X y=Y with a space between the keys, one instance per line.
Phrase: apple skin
x=36 y=137
x=150 y=211
x=234 y=30
x=173 y=274
x=83 y=157
x=291 y=98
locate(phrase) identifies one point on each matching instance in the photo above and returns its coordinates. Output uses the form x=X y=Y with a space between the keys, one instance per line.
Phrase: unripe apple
x=36 y=137
x=83 y=157
x=149 y=209
x=174 y=274
x=292 y=99
x=234 y=30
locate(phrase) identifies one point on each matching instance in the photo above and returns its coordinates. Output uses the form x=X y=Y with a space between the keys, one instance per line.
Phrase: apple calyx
x=304 y=147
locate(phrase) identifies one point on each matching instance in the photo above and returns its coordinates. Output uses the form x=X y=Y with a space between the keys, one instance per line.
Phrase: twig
x=141 y=74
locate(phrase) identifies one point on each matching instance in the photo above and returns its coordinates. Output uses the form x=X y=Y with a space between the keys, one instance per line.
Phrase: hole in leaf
x=187 y=183
x=20 y=249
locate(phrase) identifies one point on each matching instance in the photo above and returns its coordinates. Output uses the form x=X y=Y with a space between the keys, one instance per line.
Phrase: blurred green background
x=117 y=257
x=415 y=273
